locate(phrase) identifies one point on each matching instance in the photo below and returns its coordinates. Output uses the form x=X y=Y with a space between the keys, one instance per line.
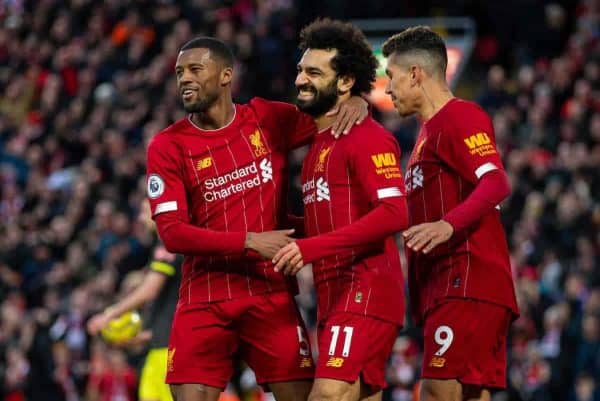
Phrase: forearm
x=491 y=189
x=147 y=291
x=133 y=301
x=387 y=218
x=184 y=238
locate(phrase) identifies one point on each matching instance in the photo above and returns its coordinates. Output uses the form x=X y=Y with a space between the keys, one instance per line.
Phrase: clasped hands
x=285 y=253
x=280 y=247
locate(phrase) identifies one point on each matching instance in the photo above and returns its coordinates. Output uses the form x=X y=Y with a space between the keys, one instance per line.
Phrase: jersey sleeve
x=375 y=162
x=295 y=127
x=490 y=190
x=164 y=172
x=168 y=203
x=375 y=165
x=469 y=145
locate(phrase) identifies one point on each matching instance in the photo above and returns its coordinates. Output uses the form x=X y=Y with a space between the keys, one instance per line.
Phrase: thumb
x=289 y=231
x=333 y=111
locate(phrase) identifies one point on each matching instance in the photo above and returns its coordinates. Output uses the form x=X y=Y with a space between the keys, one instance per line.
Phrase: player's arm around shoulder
x=300 y=127
x=285 y=125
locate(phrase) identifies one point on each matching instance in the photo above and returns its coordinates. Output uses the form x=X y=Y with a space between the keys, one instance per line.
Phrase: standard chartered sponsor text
x=223 y=186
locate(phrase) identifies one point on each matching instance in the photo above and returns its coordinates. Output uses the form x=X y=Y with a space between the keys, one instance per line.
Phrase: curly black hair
x=354 y=54
x=419 y=39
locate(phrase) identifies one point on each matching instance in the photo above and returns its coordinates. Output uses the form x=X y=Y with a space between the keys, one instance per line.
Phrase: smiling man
x=216 y=187
x=354 y=202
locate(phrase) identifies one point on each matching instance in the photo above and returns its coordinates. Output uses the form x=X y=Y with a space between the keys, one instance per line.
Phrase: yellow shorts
x=152 y=381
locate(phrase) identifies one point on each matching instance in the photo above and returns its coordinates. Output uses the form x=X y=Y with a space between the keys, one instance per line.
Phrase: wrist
x=249 y=242
x=306 y=250
x=449 y=224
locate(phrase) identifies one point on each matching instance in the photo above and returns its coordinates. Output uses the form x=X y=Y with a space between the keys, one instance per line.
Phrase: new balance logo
x=204 y=163
x=266 y=170
x=479 y=139
x=322 y=190
x=334 y=362
x=384 y=159
x=437 y=362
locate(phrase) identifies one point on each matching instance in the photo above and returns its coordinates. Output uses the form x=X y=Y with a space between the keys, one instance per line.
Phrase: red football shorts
x=267 y=331
x=466 y=340
x=351 y=344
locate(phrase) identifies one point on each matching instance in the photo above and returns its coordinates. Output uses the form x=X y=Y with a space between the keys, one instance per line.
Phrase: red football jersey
x=453 y=150
x=229 y=180
x=342 y=181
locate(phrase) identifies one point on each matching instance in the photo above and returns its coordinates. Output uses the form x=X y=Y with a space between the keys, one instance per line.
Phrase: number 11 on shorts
x=335 y=333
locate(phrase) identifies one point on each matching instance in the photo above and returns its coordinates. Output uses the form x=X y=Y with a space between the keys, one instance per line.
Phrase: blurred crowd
x=84 y=85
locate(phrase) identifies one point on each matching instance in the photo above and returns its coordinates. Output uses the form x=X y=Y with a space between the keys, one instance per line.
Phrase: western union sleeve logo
x=480 y=143
x=479 y=139
x=386 y=165
x=204 y=163
x=384 y=159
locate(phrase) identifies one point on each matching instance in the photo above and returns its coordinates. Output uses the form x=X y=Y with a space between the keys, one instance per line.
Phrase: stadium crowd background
x=85 y=84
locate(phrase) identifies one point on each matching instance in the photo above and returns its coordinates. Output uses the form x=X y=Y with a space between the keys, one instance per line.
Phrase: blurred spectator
x=586 y=389
x=495 y=96
x=116 y=381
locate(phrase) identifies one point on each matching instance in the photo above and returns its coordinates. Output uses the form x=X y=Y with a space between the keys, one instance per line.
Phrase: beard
x=201 y=104
x=323 y=100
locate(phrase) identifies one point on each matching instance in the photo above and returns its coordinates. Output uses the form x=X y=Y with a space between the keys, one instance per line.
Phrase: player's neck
x=324 y=121
x=435 y=97
x=220 y=114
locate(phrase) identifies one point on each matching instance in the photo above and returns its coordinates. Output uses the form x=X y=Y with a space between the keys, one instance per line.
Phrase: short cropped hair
x=218 y=49
x=421 y=41
x=354 y=54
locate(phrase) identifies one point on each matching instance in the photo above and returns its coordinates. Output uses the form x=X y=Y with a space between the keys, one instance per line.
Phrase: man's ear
x=226 y=76
x=345 y=83
x=416 y=75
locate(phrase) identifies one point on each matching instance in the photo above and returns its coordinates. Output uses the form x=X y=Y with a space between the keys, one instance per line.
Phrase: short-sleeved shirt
x=342 y=180
x=454 y=149
x=231 y=179
x=160 y=312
